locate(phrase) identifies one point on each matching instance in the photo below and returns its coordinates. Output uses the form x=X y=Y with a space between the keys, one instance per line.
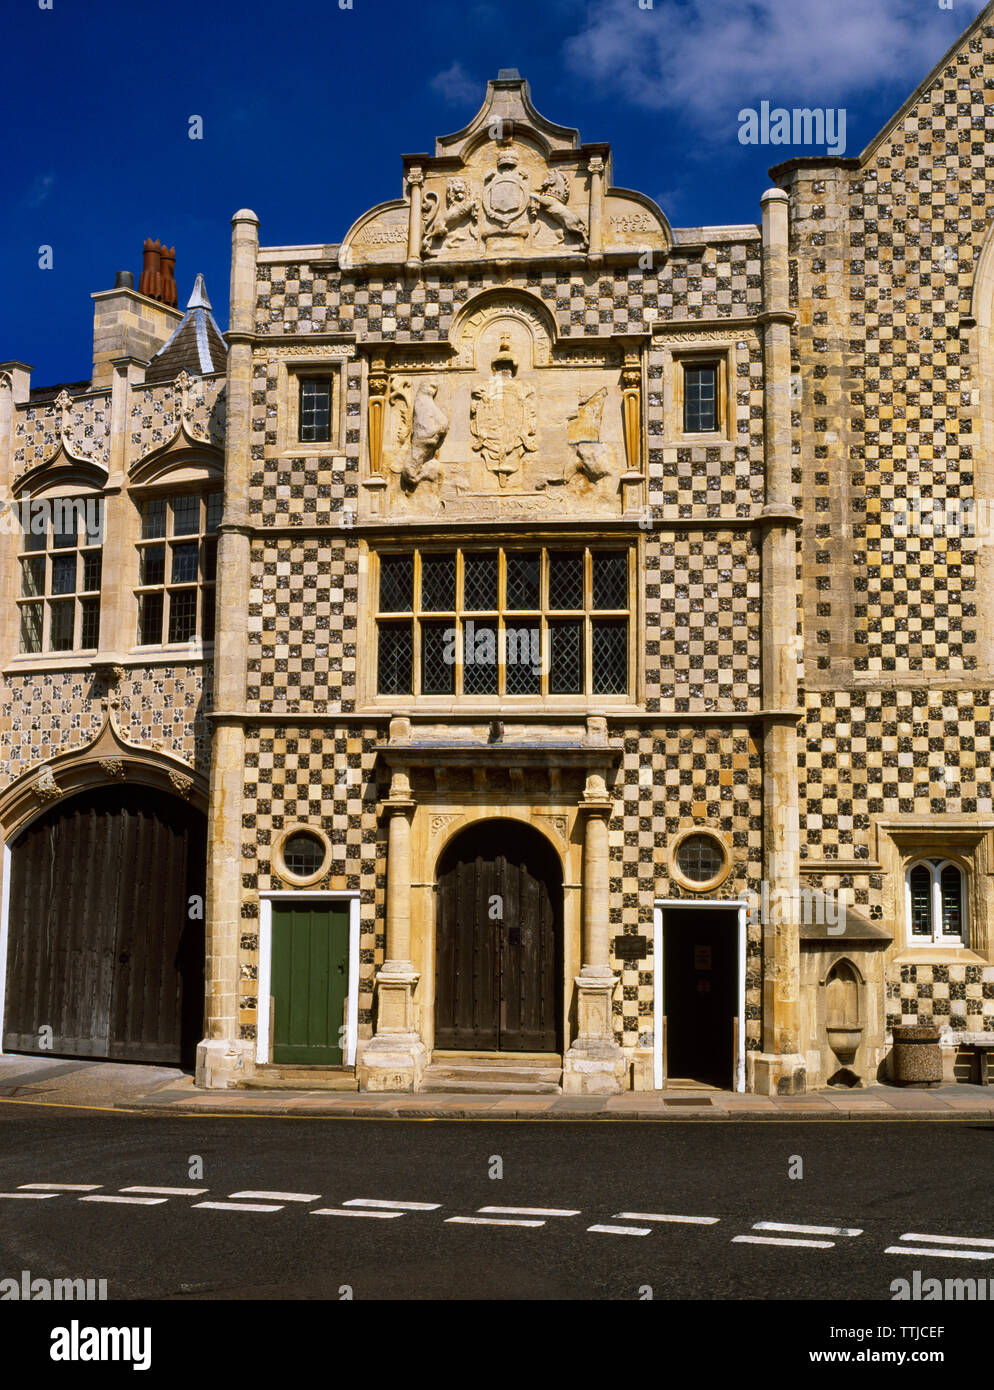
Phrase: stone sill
x=939 y=955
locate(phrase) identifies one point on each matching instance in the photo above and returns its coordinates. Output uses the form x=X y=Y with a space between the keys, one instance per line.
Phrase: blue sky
x=307 y=107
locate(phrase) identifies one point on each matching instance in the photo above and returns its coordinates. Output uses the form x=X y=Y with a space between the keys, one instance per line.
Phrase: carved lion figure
x=551 y=200
x=455 y=225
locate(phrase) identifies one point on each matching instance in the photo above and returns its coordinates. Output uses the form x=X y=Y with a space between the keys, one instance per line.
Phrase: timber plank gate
x=103 y=953
x=498 y=947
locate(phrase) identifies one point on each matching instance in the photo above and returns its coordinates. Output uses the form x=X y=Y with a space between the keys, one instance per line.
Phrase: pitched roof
x=197 y=345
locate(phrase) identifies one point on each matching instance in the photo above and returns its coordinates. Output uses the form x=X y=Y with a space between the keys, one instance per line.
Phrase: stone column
x=595 y=1063
x=415 y=180
x=395 y=1058
x=595 y=165
x=779 y=1069
x=223 y=1055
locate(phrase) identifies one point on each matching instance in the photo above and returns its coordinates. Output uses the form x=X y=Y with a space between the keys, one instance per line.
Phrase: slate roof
x=197 y=345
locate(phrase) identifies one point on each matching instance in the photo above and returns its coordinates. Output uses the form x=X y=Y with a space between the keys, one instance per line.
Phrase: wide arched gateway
x=105 y=953
x=498 y=943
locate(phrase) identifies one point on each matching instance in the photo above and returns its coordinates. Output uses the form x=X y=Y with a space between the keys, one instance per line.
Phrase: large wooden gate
x=498 y=944
x=104 y=958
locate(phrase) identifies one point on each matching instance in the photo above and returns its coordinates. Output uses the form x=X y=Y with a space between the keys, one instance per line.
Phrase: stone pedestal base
x=776 y=1073
x=392 y=1062
x=594 y=1064
x=395 y=1059
x=221 y=1062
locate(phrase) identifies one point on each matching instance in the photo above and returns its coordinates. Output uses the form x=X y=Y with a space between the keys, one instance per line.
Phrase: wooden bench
x=981 y=1044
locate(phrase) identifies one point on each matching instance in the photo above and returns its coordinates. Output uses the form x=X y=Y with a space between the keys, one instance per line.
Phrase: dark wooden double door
x=498 y=944
x=106 y=935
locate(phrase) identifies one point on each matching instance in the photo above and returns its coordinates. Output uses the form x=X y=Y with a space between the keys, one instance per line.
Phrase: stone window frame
x=673 y=865
x=967 y=842
x=292 y=371
x=936 y=864
x=79 y=596
x=697 y=352
x=279 y=863
x=501 y=543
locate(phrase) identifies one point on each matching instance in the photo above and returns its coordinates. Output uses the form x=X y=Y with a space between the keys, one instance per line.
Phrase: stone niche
x=511 y=426
x=843 y=1023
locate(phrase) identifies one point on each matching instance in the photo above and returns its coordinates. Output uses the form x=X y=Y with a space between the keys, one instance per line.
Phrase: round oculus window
x=700 y=858
x=303 y=854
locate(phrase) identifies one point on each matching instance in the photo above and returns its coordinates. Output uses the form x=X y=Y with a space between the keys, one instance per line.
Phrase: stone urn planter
x=844 y=1040
x=917 y=1057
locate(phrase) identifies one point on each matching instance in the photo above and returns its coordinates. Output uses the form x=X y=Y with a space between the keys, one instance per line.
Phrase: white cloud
x=39 y=191
x=706 y=57
x=455 y=84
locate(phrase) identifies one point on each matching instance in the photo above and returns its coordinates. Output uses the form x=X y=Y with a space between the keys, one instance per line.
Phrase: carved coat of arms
x=506 y=192
x=503 y=417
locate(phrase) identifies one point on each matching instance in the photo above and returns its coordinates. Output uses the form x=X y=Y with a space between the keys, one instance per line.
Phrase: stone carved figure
x=503 y=416
x=591 y=457
x=421 y=432
x=551 y=202
x=454 y=226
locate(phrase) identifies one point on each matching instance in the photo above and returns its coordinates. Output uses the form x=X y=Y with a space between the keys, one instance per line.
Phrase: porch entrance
x=498 y=942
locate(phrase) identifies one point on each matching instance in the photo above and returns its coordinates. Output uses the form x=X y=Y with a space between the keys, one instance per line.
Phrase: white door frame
x=729 y=904
x=286 y=898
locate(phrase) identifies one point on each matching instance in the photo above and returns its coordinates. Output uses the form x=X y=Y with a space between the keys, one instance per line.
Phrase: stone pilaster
x=224 y=1054
x=595 y=1063
x=395 y=1058
x=780 y=1068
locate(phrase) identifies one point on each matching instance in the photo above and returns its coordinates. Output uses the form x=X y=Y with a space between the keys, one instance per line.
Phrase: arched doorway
x=498 y=941
x=105 y=954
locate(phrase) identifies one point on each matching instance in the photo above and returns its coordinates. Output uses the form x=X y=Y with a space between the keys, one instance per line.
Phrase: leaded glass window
x=526 y=622
x=61 y=559
x=177 y=568
x=936 y=900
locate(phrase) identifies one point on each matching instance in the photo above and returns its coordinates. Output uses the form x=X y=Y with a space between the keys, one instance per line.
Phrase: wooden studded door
x=104 y=958
x=498 y=946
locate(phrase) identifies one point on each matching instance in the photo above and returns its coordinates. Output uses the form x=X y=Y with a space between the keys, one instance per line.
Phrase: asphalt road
x=883 y=1181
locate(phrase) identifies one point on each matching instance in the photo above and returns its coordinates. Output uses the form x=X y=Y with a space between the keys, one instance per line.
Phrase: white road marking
x=340 y=1211
x=28 y=1196
x=134 y=1201
x=658 y=1216
x=949 y=1240
x=807 y=1230
x=238 y=1206
x=777 y=1240
x=279 y=1196
x=622 y=1230
x=168 y=1191
x=59 y=1186
x=530 y=1211
x=391 y=1206
x=939 y=1254
x=489 y=1221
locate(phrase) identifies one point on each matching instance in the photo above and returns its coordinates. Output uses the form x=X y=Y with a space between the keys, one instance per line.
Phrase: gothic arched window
x=936 y=903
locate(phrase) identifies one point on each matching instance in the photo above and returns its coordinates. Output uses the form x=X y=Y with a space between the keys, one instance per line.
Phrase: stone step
x=491 y=1076
x=302 y=1078
x=492 y=1087
x=551 y=1060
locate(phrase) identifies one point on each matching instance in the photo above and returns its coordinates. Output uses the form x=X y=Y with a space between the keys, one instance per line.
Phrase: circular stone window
x=701 y=861
x=303 y=854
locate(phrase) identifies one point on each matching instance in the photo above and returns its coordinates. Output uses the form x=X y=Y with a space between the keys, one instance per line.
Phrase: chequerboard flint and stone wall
x=889 y=281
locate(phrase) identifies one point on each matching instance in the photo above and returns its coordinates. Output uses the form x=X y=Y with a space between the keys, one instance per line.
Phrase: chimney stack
x=125 y=323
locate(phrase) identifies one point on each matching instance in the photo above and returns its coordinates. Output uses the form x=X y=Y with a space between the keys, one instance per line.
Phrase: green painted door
x=310 y=982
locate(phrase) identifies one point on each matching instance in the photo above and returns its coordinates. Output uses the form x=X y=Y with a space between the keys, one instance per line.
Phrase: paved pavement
x=165 y=1090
